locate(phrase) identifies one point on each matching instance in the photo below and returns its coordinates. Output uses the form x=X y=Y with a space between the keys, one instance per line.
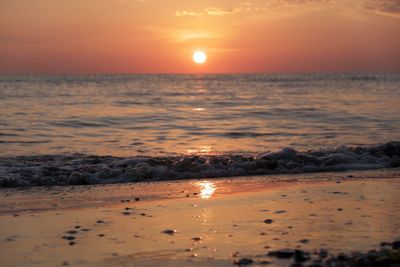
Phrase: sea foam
x=78 y=169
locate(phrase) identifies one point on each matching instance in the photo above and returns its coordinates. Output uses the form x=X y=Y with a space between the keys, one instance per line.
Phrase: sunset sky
x=160 y=36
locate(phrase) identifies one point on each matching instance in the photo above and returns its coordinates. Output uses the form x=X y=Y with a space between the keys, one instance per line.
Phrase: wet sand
x=200 y=223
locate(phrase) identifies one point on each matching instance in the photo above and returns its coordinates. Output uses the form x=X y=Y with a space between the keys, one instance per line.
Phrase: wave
x=79 y=169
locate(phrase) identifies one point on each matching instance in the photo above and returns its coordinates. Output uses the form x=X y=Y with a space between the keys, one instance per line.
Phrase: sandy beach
x=218 y=133
x=216 y=222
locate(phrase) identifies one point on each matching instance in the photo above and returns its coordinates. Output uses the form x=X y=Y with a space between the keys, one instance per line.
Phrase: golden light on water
x=200 y=149
x=207 y=189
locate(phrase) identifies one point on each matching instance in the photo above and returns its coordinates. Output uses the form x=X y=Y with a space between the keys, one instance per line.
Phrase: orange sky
x=160 y=36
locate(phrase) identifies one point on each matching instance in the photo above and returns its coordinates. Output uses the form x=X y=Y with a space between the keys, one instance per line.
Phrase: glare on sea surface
x=200 y=149
x=207 y=189
x=199 y=57
x=198 y=109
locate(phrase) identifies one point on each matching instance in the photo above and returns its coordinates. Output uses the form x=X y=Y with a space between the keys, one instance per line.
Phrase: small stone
x=300 y=256
x=280 y=211
x=100 y=221
x=11 y=238
x=235 y=254
x=77 y=226
x=243 y=261
x=137 y=199
x=323 y=253
x=268 y=221
x=304 y=241
x=126 y=213
x=281 y=254
x=71 y=243
x=196 y=238
x=100 y=235
x=72 y=232
x=169 y=231
x=69 y=237
x=396 y=245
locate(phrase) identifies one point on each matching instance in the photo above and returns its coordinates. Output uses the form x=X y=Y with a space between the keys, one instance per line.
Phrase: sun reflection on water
x=198 y=109
x=200 y=150
x=207 y=189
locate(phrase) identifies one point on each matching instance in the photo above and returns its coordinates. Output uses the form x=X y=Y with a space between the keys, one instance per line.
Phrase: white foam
x=84 y=169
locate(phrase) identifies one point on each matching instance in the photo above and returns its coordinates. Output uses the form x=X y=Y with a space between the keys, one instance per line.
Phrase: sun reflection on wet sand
x=353 y=215
x=207 y=189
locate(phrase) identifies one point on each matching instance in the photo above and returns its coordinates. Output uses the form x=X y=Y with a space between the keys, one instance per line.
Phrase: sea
x=171 y=117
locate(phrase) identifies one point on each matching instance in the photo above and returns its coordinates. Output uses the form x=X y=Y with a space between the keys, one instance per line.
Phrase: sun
x=199 y=57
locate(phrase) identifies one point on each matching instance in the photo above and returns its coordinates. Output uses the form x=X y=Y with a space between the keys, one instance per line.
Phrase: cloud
x=246 y=7
x=383 y=7
x=180 y=35
x=188 y=13
x=209 y=11
x=185 y=36
x=215 y=11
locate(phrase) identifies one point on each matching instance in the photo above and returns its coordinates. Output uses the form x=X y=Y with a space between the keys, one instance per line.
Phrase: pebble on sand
x=69 y=237
x=169 y=231
x=281 y=254
x=280 y=211
x=243 y=261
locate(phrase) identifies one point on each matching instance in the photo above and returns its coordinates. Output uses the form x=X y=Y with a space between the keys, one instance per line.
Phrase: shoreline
x=53 y=170
x=218 y=222
x=65 y=196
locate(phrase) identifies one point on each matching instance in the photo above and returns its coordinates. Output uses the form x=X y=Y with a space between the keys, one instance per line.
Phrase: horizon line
x=194 y=73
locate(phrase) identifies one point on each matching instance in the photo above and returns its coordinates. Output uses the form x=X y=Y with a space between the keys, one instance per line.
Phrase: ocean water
x=133 y=116
x=126 y=115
